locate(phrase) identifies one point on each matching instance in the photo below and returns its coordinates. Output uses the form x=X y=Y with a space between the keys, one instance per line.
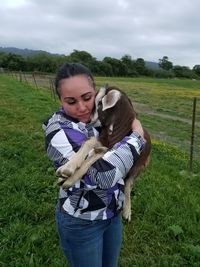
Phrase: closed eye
x=70 y=101
x=87 y=98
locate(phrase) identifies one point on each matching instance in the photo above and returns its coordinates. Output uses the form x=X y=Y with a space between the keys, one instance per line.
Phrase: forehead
x=76 y=86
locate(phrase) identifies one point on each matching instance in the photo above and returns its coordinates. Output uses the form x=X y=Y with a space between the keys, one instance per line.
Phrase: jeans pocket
x=69 y=222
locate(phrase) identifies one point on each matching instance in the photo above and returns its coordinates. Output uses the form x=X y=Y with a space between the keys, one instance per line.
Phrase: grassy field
x=165 y=229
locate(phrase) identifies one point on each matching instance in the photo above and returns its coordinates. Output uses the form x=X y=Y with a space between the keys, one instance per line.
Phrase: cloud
x=149 y=29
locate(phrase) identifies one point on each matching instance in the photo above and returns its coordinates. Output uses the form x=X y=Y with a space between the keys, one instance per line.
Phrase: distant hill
x=29 y=52
x=23 y=52
x=151 y=65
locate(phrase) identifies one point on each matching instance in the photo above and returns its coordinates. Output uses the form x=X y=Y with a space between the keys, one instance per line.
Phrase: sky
x=148 y=29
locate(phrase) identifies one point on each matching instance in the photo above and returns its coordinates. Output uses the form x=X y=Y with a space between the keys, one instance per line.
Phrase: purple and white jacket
x=99 y=194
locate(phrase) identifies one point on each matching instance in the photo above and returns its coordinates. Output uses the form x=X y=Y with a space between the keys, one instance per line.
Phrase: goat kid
x=115 y=112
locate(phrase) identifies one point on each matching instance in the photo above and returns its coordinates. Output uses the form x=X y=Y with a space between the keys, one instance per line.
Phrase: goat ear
x=98 y=98
x=110 y=99
x=100 y=95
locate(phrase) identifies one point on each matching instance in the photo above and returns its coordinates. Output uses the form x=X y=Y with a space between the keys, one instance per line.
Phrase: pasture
x=165 y=228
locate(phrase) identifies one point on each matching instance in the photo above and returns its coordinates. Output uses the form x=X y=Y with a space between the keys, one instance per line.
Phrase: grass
x=165 y=229
x=166 y=214
x=174 y=97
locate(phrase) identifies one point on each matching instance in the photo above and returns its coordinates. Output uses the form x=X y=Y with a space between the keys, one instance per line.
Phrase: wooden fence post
x=25 y=77
x=20 y=76
x=52 y=88
x=192 y=134
x=35 y=80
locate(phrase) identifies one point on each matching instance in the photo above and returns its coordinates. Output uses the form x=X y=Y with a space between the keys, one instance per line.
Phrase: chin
x=85 y=120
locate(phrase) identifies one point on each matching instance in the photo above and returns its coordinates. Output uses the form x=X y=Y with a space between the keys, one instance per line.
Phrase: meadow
x=165 y=228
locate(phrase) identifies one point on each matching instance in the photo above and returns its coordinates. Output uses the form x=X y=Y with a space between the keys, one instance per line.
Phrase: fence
x=38 y=80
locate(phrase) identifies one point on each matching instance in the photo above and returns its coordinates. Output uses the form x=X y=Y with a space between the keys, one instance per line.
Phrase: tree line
x=112 y=67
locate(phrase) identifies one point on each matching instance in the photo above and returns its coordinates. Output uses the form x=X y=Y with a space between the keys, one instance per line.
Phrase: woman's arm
x=105 y=172
x=117 y=162
x=58 y=147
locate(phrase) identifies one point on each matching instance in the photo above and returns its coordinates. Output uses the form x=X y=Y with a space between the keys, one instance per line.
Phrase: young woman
x=88 y=215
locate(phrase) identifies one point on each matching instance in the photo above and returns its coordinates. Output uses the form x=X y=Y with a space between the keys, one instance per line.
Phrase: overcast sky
x=149 y=29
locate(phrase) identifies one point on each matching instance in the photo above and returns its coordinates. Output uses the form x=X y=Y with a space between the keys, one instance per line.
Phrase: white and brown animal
x=116 y=113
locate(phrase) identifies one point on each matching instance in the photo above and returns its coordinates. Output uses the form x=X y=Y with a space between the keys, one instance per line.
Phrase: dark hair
x=68 y=70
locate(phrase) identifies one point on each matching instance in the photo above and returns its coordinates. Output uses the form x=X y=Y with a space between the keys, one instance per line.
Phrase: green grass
x=165 y=229
x=166 y=213
x=173 y=97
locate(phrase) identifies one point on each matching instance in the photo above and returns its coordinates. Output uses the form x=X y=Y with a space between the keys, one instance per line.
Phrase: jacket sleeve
x=105 y=172
x=117 y=162
x=57 y=145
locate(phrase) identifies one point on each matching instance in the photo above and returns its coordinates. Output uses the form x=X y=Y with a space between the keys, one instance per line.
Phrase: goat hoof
x=66 y=185
x=60 y=181
x=127 y=215
x=64 y=172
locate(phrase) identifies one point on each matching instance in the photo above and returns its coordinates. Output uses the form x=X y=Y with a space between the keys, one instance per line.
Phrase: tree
x=165 y=64
x=196 y=69
x=130 y=66
x=140 y=66
x=84 y=58
x=118 y=67
x=102 y=68
x=183 y=72
x=12 y=61
x=43 y=62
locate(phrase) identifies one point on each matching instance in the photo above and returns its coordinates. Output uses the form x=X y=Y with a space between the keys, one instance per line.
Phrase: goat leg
x=61 y=180
x=126 y=213
x=75 y=162
x=81 y=171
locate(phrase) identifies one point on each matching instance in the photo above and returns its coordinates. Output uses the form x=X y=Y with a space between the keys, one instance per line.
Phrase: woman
x=88 y=214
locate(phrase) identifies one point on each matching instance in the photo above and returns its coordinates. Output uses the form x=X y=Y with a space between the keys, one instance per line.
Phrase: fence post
x=52 y=88
x=20 y=76
x=25 y=77
x=192 y=134
x=35 y=80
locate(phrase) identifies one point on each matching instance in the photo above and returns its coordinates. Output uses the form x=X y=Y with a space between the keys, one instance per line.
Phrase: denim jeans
x=89 y=243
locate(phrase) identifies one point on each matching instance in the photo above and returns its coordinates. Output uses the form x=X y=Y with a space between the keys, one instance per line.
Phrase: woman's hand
x=137 y=127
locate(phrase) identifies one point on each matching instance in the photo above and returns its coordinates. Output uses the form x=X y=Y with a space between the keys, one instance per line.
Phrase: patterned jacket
x=99 y=194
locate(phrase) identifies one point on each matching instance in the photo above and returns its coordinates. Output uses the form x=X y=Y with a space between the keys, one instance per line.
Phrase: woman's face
x=77 y=97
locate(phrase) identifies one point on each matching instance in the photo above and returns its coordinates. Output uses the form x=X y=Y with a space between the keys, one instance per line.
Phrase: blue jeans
x=89 y=243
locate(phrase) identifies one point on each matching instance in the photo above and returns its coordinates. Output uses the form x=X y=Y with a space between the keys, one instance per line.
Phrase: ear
x=98 y=98
x=109 y=100
x=100 y=95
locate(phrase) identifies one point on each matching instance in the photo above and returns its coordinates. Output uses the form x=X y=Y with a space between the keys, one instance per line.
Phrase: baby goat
x=116 y=113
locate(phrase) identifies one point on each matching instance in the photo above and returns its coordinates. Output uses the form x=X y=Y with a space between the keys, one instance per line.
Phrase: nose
x=81 y=106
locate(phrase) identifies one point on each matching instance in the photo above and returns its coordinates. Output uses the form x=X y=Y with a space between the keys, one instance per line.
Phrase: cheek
x=92 y=103
x=70 y=110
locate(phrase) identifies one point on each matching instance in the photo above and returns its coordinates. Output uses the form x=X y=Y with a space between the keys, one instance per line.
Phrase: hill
x=23 y=52
x=151 y=65
x=29 y=52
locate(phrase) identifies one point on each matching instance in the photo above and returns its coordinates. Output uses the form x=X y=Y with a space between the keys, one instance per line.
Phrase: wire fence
x=38 y=80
